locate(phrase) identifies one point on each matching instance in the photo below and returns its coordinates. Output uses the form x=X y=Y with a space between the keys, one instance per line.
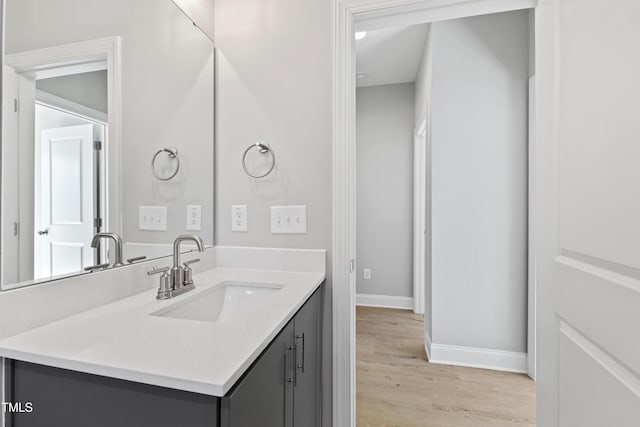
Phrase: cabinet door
x=307 y=327
x=264 y=397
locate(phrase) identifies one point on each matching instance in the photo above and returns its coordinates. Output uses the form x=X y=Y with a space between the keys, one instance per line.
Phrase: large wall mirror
x=93 y=90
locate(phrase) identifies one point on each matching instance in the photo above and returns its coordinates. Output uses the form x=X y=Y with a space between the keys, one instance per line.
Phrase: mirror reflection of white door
x=66 y=208
x=588 y=222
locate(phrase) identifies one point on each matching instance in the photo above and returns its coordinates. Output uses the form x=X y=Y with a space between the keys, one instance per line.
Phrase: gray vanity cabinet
x=282 y=389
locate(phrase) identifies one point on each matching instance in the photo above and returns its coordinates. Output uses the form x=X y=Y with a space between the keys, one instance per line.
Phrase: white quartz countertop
x=124 y=340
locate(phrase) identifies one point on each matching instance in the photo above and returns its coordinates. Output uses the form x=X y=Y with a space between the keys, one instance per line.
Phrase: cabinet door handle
x=287 y=364
x=300 y=365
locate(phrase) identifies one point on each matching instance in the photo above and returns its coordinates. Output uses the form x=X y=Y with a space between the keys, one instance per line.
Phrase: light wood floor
x=396 y=386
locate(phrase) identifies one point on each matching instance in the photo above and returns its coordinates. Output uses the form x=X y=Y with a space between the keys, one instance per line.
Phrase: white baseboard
x=384 y=301
x=497 y=360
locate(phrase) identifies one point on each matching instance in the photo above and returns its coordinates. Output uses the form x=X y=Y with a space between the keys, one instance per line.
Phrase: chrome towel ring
x=172 y=153
x=263 y=148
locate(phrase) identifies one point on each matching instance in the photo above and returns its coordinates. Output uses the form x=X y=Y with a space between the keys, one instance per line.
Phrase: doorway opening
x=509 y=357
x=447 y=124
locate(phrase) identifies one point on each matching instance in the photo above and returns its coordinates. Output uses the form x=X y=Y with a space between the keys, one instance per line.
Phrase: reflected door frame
x=75 y=58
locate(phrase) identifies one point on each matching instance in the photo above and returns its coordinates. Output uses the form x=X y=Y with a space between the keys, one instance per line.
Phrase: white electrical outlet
x=366 y=274
x=194 y=217
x=288 y=219
x=239 y=218
x=152 y=218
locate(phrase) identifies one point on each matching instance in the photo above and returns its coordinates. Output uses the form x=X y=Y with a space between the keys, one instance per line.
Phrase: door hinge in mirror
x=16 y=229
x=15 y=105
x=352 y=266
x=97 y=145
x=97 y=222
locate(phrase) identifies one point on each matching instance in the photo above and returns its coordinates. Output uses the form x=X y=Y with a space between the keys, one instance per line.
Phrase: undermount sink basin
x=227 y=302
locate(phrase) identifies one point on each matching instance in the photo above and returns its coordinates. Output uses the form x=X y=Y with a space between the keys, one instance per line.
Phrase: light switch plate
x=366 y=274
x=239 y=218
x=288 y=219
x=194 y=217
x=152 y=218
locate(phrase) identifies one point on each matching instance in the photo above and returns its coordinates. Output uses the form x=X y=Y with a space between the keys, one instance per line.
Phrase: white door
x=588 y=205
x=66 y=208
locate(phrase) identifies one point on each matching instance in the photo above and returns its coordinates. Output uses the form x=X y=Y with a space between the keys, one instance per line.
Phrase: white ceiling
x=390 y=55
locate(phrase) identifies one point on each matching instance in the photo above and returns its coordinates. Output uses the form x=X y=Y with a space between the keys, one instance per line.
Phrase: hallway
x=397 y=387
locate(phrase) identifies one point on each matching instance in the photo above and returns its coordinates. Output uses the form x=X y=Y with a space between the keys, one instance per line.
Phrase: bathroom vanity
x=281 y=388
x=242 y=349
x=87 y=337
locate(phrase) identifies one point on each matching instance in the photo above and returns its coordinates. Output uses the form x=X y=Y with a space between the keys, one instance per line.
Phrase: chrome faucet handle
x=136 y=259
x=96 y=267
x=156 y=270
x=164 y=290
x=187 y=272
x=192 y=261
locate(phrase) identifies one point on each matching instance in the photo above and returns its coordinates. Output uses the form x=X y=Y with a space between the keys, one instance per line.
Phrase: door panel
x=66 y=162
x=598 y=100
x=66 y=257
x=264 y=397
x=66 y=208
x=588 y=212
x=589 y=378
x=307 y=380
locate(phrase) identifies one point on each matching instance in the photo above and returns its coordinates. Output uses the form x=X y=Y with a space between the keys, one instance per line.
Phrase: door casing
x=351 y=16
x=75 y=58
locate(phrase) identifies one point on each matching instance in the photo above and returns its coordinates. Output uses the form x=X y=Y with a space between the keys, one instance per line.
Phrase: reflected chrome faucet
x=118 y=246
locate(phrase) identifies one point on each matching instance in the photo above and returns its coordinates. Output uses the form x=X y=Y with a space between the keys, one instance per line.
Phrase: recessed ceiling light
x=361 y=76
x=360 y=35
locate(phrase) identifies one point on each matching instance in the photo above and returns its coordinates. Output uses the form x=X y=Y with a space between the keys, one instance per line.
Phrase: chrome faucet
x=118 y=246
x=177 y=271
x=178 y=279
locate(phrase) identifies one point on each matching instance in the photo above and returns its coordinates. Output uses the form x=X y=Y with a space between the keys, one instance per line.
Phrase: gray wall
x=167 y=96
x=88 y=89
x=274 y=83
x=384 y=129
x=479 y=169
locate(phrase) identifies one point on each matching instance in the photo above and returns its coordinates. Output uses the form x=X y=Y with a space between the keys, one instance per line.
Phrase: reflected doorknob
x=43 y=232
